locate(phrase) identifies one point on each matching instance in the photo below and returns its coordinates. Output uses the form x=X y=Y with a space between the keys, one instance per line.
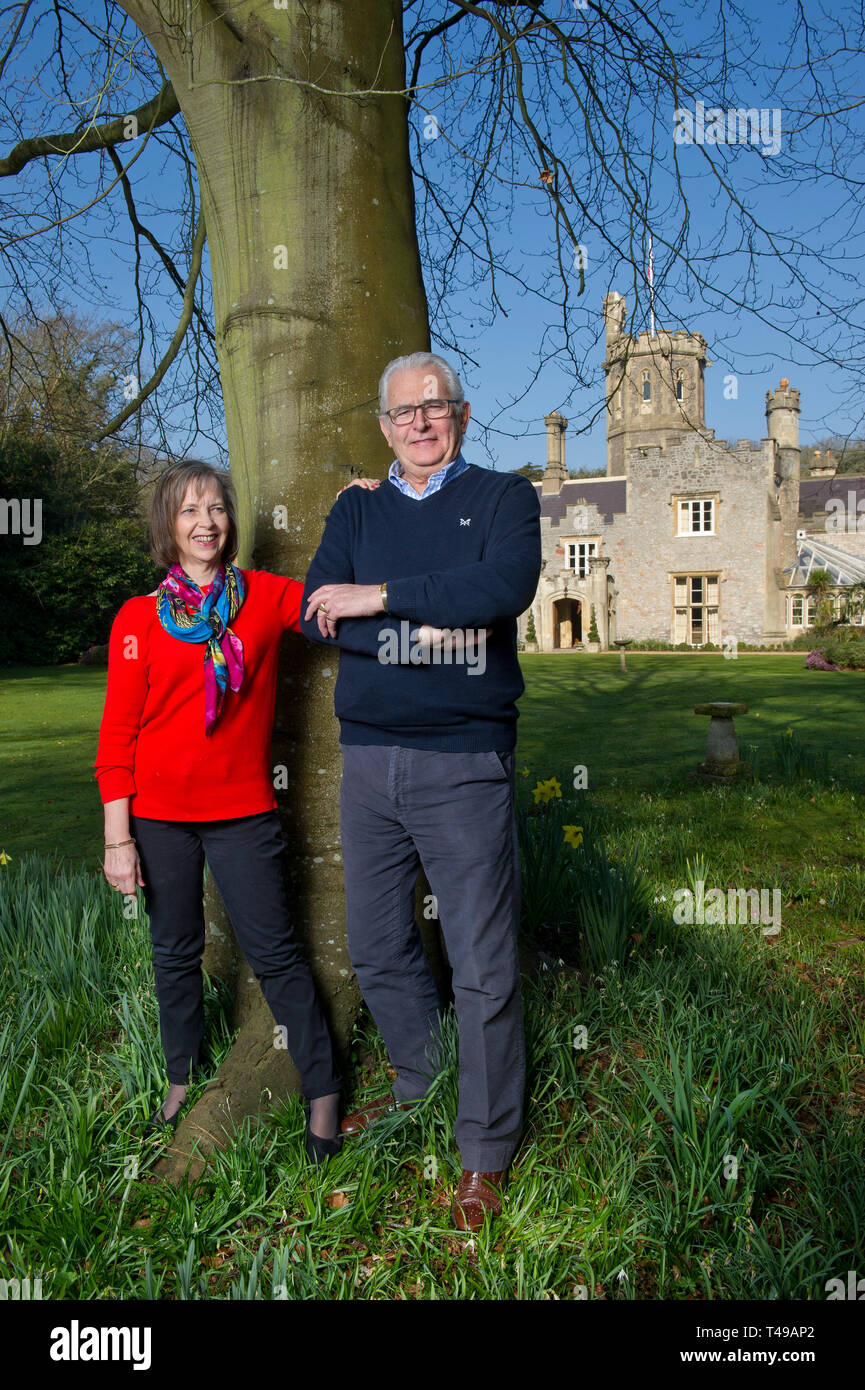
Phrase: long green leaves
x=693 y=1124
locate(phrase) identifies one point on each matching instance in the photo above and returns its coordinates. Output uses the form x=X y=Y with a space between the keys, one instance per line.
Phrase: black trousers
x=244 y=858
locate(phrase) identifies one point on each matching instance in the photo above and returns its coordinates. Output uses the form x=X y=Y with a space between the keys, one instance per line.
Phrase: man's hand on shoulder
x=331 y=602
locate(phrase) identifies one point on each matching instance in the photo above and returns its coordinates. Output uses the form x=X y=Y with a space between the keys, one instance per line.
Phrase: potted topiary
x=594 y=642
x=531 y=641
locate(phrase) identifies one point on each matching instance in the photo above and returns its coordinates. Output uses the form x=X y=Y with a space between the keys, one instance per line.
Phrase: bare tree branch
x=14 y=39
x=174 y=346
x=140 y=230
x=155 y=112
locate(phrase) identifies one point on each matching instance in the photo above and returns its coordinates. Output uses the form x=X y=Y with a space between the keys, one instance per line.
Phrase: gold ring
x=322 y=608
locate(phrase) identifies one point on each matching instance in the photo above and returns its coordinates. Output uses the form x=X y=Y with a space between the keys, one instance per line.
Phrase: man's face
x=424 y=446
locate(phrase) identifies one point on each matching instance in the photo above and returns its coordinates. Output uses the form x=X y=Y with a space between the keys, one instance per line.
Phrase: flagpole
x=651 y=278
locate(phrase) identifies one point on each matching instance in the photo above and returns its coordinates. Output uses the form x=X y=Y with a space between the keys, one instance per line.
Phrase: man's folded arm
x=332 y=564
x=502 y=585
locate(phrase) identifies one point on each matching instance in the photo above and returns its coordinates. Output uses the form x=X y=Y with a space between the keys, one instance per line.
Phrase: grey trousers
x=454 y=814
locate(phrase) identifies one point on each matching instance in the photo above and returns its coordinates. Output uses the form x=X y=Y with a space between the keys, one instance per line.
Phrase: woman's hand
x=369 y=483
x=122 y=869
x=335 y=601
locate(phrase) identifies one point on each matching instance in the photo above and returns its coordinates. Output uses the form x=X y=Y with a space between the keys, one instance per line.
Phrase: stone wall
x=646 y=552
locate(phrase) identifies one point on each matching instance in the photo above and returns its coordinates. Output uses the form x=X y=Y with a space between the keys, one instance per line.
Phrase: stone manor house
x=687 y=538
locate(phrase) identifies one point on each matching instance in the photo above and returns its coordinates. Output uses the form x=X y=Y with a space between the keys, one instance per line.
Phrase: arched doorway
x=567 y=622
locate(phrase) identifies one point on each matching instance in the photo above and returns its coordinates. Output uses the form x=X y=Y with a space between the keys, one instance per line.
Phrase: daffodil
x=545 y=791
x=573 y=835
x=4 y=858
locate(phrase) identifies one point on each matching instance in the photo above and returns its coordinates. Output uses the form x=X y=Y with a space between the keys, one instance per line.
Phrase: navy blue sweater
x=469 y=556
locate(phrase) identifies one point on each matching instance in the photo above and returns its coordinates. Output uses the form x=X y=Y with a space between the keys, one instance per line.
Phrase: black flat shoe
x=158 y=1124
x=320 y=1150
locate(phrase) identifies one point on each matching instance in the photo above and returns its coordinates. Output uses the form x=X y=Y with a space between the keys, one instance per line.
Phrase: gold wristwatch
x=382 y=588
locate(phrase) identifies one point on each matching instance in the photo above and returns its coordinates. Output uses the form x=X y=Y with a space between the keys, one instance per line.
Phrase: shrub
x=816 y=661
x=93 y=554
x=94 y=656
x=807 y=640
x=848 y=652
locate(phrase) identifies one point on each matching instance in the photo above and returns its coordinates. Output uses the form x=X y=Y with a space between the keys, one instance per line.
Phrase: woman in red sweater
x=183 y=766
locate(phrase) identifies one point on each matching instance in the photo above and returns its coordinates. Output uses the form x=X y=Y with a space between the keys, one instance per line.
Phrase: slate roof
x=609 y=495
x=814 y=493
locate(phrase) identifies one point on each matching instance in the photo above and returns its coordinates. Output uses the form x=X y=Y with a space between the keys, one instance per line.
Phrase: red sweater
x=152 y=746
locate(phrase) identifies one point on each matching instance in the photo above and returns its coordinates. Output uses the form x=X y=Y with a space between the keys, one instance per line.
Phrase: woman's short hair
x=413 y=360
x=171 y=487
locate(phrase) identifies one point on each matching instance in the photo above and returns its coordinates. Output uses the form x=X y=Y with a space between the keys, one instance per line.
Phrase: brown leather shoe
x=359 y=1119
x=475 y=1198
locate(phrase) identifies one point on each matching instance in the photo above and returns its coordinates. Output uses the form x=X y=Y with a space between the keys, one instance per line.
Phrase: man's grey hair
x=413 y=360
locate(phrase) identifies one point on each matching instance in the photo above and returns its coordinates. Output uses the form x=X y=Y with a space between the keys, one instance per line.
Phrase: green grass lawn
x=49 y=724
x=640 y=723
x=695 y=1112
x=637 y=725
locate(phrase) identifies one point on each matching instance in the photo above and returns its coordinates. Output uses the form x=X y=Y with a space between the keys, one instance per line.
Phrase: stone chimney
x=782 y=424
x=821 y=467
x=555 y=473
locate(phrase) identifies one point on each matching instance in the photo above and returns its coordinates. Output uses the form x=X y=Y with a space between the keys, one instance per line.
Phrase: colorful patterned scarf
x=192 y=616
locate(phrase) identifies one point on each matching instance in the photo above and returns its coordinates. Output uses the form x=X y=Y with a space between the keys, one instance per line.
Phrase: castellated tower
x=782 y=425
x=655 y=386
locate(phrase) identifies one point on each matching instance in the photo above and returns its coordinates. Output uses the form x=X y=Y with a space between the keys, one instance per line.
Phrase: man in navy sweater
x=419 y=582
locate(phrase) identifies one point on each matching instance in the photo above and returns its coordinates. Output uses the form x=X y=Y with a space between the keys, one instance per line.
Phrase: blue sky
x=788 y=195
x=820 y=211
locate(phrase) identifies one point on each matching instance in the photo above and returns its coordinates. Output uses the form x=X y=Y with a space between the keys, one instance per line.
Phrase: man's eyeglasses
x=431 y=410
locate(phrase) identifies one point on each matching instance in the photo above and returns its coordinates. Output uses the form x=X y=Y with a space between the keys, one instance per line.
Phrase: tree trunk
x=309 y=210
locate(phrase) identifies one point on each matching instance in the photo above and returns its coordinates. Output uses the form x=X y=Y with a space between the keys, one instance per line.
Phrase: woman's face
x=201 y=529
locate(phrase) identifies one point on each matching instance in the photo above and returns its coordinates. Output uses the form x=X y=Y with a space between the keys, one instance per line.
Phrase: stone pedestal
x=622 y=643
x=722 y=765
